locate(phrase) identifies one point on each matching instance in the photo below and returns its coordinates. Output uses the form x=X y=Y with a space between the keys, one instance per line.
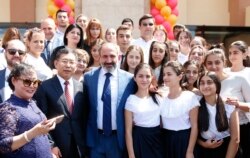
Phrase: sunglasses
x=27 y=82
x=147 y=24
x=13 y=51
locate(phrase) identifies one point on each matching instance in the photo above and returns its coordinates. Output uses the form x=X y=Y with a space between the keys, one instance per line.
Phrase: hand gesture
x=56 y=152
x=211 y=143
x=43 y=127
x=232 y=101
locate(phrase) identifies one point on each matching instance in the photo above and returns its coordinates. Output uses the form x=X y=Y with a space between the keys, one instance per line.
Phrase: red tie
x=68 y=97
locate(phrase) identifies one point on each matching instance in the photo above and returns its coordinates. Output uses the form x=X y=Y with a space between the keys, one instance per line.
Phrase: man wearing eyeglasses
x=62 y=95
x=147 y=27
x=15 y=53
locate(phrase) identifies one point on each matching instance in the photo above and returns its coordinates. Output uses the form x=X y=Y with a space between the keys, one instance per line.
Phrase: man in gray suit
x=51 y=41
x=62 y=95
x=15 y=53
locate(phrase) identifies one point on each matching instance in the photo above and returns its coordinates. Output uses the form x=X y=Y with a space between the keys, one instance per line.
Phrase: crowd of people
x=121 y=96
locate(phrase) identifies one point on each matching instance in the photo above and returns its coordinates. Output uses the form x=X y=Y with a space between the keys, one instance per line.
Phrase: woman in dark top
x=73 y=39
x=23 y=127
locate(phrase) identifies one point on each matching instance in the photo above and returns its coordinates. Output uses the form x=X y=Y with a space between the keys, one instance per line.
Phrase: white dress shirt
x=70 y=86
x=145 y=47
x=6 y=90
x=3 y=62
x=114 y=95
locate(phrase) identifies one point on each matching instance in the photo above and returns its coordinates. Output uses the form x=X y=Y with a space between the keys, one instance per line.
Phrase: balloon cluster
x=165 y=13
x=54 y=5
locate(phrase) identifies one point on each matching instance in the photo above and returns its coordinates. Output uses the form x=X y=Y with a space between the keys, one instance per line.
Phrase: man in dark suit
x=106 y=140
x=64 y=95
x=15 y=53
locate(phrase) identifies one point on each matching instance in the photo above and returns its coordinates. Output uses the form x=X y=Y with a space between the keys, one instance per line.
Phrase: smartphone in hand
x=57 y=119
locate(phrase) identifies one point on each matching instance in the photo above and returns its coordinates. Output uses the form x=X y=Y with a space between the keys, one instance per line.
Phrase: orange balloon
x=166 y=18
x=172 y=19
x=165 y=11
x=54 y=16
x=72 y=13
x=160 y=4
x=153 y=1
x=52 y=9
x=71 y=3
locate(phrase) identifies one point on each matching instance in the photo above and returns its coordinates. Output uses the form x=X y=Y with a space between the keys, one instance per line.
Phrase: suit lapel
x=121 y=86
x=2 y=77
x=76 y=89
x=95 y=86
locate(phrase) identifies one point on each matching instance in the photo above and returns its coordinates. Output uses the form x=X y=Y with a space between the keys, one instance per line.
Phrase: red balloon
x=167 y=26
x=71 y=20
x=66 y=8
x=159 y=19
x=59 y=3
x=171 y=35
x=154 y=11
x=172 y=3
x=175 y=11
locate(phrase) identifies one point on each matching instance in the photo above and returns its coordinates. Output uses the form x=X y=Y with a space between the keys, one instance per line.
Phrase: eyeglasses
x=70 y=62
x=27 y=82
x=147 y=24
x=13 y=51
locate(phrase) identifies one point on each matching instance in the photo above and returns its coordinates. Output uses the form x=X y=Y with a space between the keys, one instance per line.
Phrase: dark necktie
x=122 y=60
x=68 y=96
x=106 y=98
x=47 y=52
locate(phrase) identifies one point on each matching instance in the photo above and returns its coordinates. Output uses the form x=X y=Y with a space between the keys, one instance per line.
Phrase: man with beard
x=15 y=53
x=105 y=124
x=62 y=21
x=147 y=27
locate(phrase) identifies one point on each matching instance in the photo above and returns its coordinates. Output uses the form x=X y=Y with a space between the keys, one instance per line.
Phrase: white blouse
x=237 y=87
x=244 y=72
x=42 y=70
x=146 y=113
x=175 y=112
x=182 y=58
x=212 y=132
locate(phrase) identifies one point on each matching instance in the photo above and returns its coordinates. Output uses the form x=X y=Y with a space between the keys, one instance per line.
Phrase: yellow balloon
x=172 y=19
x=54 y=16
x=160 y=3
x=165 y=11
x=52 y=9
x=50 y=2
x=71 y=3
